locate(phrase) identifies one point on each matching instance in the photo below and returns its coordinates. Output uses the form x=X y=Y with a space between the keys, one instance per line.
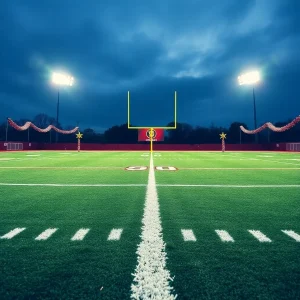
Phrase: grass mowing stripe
x=46 y=234
x=12 y=233
x=188 y=235
x=151 y=277
x=224 y=236
x=292 y=234
x=115 y=234
x=80 y=234
x=260 y=236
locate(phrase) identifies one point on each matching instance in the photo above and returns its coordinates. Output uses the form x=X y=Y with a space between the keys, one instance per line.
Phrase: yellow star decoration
x=79 y=135
x=223 y=135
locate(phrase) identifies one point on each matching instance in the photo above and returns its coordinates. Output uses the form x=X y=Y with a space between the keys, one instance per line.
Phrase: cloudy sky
x=150 y=48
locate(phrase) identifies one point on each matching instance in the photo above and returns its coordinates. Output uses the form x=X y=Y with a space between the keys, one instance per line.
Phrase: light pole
x=61 y=79
x=251 y=78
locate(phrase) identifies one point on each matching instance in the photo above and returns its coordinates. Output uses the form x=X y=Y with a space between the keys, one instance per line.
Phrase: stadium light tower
x=251 y=78
x=61 y=79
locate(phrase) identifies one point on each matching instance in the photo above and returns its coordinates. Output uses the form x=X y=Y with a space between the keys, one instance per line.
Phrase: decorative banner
x=223 y=137
x=47 y=129
x=78 y=136
x=144 y=135
x=272 y=127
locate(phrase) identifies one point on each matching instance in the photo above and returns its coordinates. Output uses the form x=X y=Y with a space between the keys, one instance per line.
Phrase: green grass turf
x=59 y=268
x=245 y=269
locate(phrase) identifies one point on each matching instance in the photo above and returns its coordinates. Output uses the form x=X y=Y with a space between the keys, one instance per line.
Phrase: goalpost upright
x=152 y=127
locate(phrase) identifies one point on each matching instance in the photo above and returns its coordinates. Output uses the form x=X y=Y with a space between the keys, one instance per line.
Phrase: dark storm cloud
x=196 y=48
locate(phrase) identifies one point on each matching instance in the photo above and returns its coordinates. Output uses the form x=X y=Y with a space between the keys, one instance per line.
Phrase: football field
x=121 y=225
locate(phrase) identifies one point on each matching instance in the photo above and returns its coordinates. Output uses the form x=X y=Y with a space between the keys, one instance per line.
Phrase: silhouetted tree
x=234 y=134
x=182 y=134
x=2 y=131
x=121 y=134
x=43 y=120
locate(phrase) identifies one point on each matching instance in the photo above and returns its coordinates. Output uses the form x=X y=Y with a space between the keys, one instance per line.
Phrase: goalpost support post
x=152 y=127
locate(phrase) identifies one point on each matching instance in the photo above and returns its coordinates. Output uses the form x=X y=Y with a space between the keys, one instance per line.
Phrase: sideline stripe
x=46 y=234
x=260 y=236
x=12 y=233
x=224 y=236
x=160 y=185
x=115 y=234
x=188 y=235
x=80 y=234
x=292 y=234
x=151 y=277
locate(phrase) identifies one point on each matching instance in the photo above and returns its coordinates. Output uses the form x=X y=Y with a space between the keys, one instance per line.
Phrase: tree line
x=184 y=134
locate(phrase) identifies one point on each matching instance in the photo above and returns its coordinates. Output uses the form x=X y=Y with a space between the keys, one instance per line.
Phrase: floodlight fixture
x=62 y=79
x=249 y=78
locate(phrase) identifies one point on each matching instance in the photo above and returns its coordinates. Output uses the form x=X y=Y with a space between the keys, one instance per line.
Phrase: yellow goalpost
x=153 y=127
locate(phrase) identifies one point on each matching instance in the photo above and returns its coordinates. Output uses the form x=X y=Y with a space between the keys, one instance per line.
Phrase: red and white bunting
x=272 y=127
x=47 y=129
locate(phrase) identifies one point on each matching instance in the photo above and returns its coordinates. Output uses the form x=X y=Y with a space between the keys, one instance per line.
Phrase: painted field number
x=165 y=168
x=143 y=168
x=136 y=168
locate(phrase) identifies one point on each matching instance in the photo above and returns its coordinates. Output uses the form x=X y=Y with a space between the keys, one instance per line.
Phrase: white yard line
x=12 y=233
x=4 y=159
x=277 y=161
x=188 y=235
x=232 y=186
x=70 y=185
x=160 y=185
x=224 y=236
x=260 y=236
x=292 y=234
x=87 y=168
x=80 y=234
x=115 y=234
x=238 y=169
x=297 y=159
x=151 y=277
x=46 y=234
